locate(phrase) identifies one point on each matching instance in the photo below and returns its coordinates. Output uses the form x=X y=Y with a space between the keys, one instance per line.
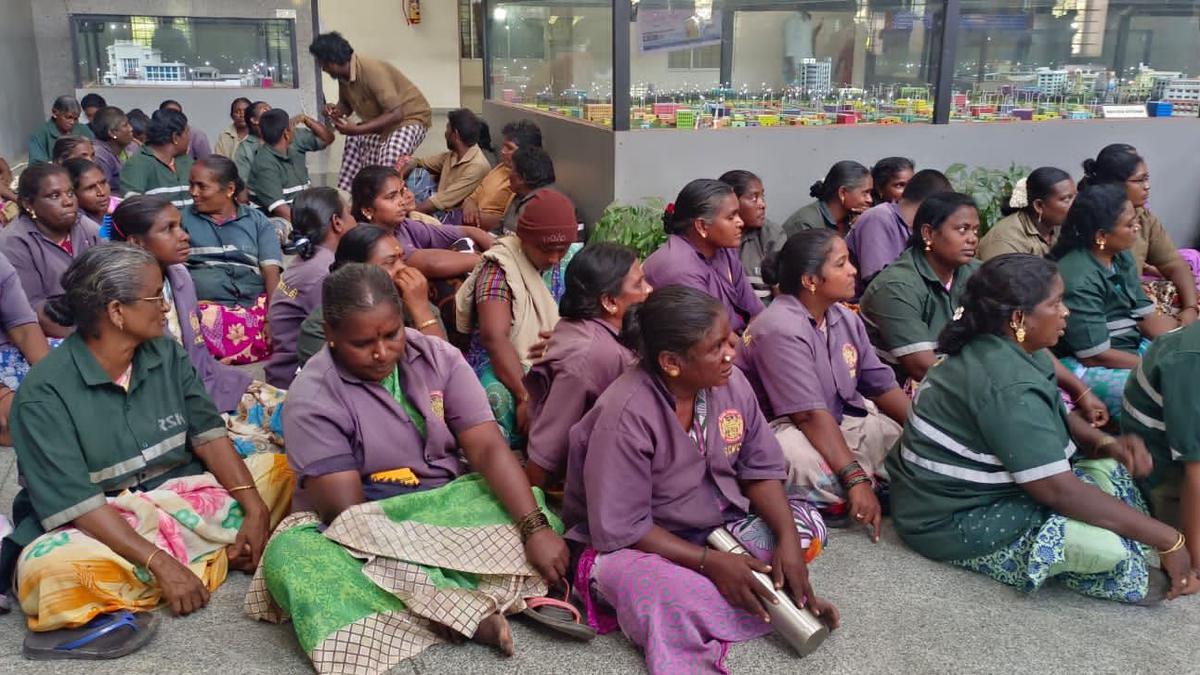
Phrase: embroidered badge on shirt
x=850 y=356
x=733 y=429
x=746 y=338
x=437 y=404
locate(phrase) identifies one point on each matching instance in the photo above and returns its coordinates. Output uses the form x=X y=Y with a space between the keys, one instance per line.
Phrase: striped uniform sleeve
x=1087 y=332
x=51 y=461
x=894 y=309
x=1178 y=382
x=1024 y=431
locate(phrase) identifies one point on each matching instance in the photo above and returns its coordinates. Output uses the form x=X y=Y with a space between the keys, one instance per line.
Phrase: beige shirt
x=376 y=87
x=1014 y=233
x=1154 y=245
x=493 y=194
x=457 y=176
x=228 y=142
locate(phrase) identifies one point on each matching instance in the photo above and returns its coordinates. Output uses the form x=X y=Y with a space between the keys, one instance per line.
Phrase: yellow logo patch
x=733 y=429
x=437 y=404
x=850 y=356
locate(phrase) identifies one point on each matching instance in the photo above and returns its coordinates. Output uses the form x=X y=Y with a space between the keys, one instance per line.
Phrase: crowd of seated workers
x=466 y=413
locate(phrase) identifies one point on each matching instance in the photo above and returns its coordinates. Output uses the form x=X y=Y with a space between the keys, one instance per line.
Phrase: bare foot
x=496 y=632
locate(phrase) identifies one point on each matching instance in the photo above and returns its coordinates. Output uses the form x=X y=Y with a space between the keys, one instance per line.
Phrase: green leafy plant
x=990 y=188
x=638 y=226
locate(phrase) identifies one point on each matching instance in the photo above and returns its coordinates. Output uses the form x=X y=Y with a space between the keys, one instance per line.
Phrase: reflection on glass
x=1051 y=59
x=555 y=56
x=799 y=63
x=117 y=51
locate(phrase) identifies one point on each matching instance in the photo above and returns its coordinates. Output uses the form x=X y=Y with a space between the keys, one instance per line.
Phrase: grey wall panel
x=21 y=103
x=582 y=152
x=657 y=162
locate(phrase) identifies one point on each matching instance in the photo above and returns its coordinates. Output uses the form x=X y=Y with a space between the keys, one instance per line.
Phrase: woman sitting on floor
x=584 y=355
x=22 y=342
x=811 y=365
x=379 y=198
x=374 y=246
x=50 y=233
x=839 y=199
x=760 y=237
x=1155 y=256
x=1112 y=321
x=235 y=258
x=127 y=472
x=1160 y=407
x=250 y=407
x=162 y=167
x=379 y=424
x=93 y=193
x=907 y=304
x=320 y=217
x=114 y=144
x=702 y=251
x=1034 y=214
x=673 y=450
x=511 y=299
x=984 y=479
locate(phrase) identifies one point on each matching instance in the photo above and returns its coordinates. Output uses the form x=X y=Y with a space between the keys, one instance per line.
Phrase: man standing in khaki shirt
x=393 y=113
x=459 y=170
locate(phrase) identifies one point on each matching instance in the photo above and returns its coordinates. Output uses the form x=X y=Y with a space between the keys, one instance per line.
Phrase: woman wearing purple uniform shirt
x=584 y=355
x=673 y=450
x=702 y=251
x=251 y=408
x=835 y=407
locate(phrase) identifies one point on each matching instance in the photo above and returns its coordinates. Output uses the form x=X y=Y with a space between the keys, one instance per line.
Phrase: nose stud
x=727 y=359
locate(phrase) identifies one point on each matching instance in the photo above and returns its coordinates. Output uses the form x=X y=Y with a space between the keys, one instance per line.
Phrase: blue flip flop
x=108 y=636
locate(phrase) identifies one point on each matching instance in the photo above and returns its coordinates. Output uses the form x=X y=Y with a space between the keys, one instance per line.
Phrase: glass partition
x=715 y=63
x=118 y=51
x=553 y=55
x=1052 y=59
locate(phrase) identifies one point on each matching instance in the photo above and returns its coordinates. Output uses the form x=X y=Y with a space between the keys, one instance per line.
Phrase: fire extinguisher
x=412 y=11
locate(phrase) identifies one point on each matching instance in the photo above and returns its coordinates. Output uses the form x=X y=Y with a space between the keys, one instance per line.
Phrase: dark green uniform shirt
x=41 y=143
x=145 y=174
x=1106 y=304
x=276 y=177
x=79 y=437
x=983 y=422
x=811 y=216
x=243 y=157
x=1160 y=400
x=906 y=306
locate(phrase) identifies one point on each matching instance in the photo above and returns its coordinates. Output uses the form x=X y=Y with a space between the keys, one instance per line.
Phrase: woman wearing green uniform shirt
x=1112 y=320
x=985 y=477
x=127 y=471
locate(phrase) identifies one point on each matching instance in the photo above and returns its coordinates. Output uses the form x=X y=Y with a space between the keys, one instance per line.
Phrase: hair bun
x=816 y=189
x=1089 y=167
x=59 y=311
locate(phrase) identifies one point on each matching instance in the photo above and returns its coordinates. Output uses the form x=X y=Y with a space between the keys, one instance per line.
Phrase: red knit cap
x=548 y=219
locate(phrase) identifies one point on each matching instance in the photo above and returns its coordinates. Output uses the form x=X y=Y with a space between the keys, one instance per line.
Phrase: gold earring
x=1101 y=243
x=928 y=245
x=673 y=372
x=812 y=288
x=1018 y=330
x=367 y=216
x=331 y=344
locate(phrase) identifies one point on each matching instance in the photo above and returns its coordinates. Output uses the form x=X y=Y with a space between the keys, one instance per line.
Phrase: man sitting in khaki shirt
x=458 y=170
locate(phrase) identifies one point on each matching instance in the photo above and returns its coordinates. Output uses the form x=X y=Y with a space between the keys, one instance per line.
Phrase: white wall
x=21 y=103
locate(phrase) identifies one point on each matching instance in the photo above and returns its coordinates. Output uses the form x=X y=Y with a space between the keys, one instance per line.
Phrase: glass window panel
x=1045 y=59
x=792 y=62
x=554 y=55
x=183 y=51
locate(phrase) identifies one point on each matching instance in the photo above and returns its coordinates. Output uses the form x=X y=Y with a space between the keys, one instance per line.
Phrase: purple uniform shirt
x=631 y=465
x=415 y=235
x=678 y=263
x=39 y=262
x=336 y=422
x=583 y=358
x=878 y=237
x=14 y=306
x=224 y=384
x=298 y=293
x=110 y=164
x=795 y=367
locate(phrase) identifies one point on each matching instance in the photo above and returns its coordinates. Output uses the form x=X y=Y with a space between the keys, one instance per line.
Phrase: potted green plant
x=638 y=226
x=990 y=188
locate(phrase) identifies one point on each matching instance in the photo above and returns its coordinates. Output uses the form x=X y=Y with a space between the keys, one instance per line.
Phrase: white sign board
x=1123 y=112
